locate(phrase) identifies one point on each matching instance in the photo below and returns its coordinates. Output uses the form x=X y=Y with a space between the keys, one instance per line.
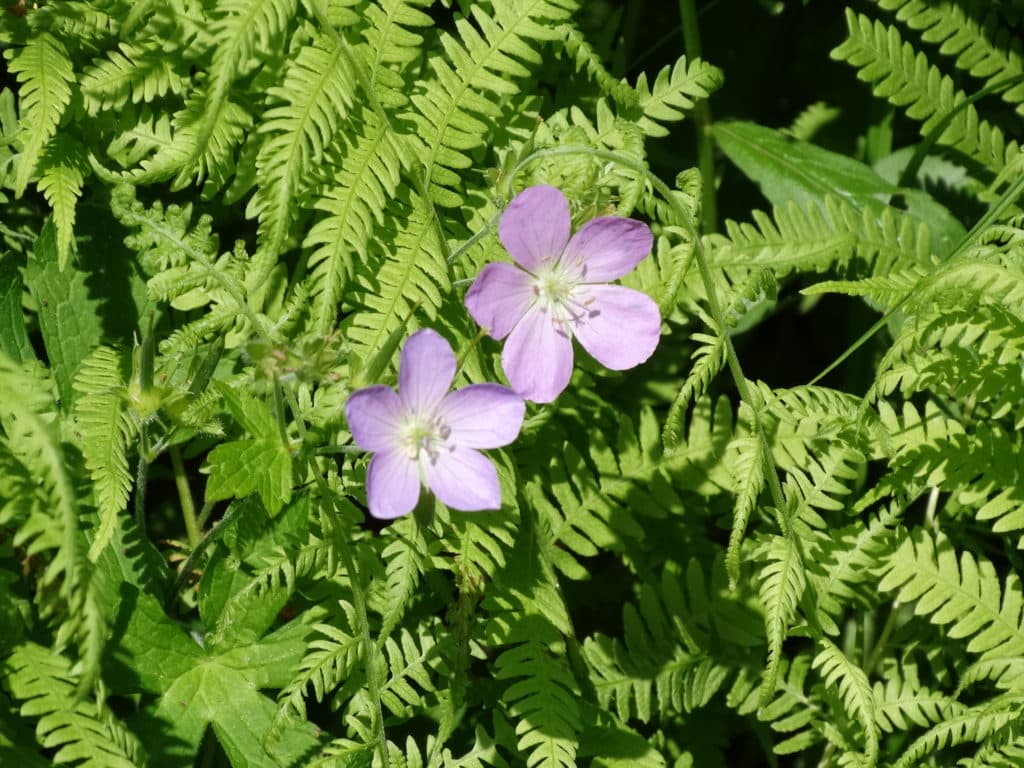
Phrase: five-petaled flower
x=426 y=434
x=561 y=291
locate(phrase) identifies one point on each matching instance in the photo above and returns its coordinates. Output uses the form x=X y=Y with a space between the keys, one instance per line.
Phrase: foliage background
x=222 y=216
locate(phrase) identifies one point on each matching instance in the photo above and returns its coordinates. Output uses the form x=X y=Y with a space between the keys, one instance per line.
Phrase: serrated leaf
x=261 y=463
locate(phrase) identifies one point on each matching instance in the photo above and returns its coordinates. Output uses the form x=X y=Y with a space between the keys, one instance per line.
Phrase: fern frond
x=902 y=701
x=811 y=120
x=405 y=557
x=972 y=725
x=452 y=113
x=45 y=75
x=675 y=90
x=906 y=79
x=393 y=42
x=791 y=709
x=965 y=594
x=709 y=359
x=328 y=662
x=542 y=700
x=576 y=515
x=854 y=692
x=367 y=179
x=133 y=73
x=587 y=60
x=650 y=674
x=796 y=239
x=104 y=431
x=241 y=28
x=782 y=583
x=62 y=170
x=414 y=273
x=747 y=464
x=311 y=104
x=82 y=733
x=971 y=32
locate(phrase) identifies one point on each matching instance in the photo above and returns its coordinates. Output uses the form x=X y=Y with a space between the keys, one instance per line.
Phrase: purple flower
x=559 y=290
x=424 y=434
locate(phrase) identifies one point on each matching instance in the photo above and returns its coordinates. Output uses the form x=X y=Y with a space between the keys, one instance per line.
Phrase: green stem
x=188 y=508
x=359 y=603
x=701 y=122
x=141 y=477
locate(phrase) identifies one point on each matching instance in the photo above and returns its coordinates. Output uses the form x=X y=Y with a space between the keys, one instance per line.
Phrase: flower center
x=553 y=285
x=422 y=435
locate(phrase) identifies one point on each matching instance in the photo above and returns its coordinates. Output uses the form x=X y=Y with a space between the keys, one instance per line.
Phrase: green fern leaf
x=908 y=80
x=486 y=59
x=105 y=429
x=972 y=33
x=973 y=725
x=543 y=699
x=414 y=274
x=782 y=585
x=62 y=170
x=675 y=91
x=241 y=28
x=393 y=43
x=45 y=75
x=82 y=733
x=366 y=181
x=966 y=595
x=747 y=466
x=131 y=73
x=854 y=691
x=312 y=103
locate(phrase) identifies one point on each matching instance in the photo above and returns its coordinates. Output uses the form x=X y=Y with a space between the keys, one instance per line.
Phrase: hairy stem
x=188 y=507
x=701 y=122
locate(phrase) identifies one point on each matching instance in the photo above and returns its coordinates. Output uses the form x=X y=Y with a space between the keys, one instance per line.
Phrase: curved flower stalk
x=559 y=290
x=424 y=434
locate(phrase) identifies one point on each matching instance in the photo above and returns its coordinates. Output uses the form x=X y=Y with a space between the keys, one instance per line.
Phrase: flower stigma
x=554 y=286
x=426 y=435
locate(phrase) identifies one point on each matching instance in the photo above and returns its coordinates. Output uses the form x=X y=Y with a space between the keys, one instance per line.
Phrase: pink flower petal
x=374 y=415
x=608 y=247
x=538 y=357
x=622 y=327
x=464 y=479
x=483 y=416
x=535 y=226
x=425 y=371
x=499 y=297
x=392 y=484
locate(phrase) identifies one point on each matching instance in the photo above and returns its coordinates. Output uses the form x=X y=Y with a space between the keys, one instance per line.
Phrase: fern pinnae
x=982 y=46
x=709 y=360
x=242 y=27
x=414 y=273
x=452 y=112
x=782 y=583
x=44 y=70
x=747 y=466
x=105 y=428
x=854 y=692
x=368 y=178
x=908 y=80
x=312 y=102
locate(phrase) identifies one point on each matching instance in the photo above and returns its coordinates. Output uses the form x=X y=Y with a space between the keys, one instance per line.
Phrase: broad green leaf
x=197 y=688
x=261 y=463
x=69 y=311
x=788 y=170
x=13 y=338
